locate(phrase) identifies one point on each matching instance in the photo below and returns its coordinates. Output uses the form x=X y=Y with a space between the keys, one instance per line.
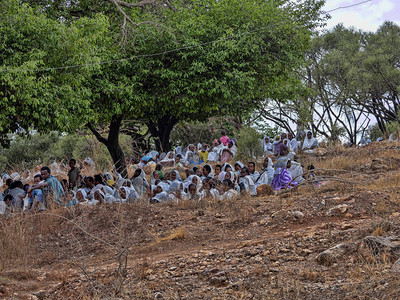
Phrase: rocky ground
x=338 y=241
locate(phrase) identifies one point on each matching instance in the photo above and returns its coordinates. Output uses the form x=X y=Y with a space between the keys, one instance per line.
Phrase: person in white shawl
x=154 y=177
x=190 y=155
x=238 y=166
x=293 y=143
x=310 y=142
x=213 y=154
x=169 y=159
x=267 y=173
x=208 y=189
x=154 y=155
x=196 y=180
x=207 y=172
x=175 y=191
x=123 y=194
x=193 y=193
x=228 y=191
x=139 y=183
x=267 y=146
x=295 y=170
x=81 y=196
x=252 y=169
x=226 y=166
x=247 y=181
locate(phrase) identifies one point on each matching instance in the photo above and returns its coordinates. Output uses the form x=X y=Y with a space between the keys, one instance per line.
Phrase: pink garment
x=224 y=140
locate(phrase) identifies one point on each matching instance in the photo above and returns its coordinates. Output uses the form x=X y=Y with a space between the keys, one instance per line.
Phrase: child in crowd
x=224 y=139
x=73 y=175
x=160 y=171
x=203 y=153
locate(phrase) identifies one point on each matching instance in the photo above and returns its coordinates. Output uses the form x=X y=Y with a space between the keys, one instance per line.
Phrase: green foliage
x=249 y=143
x=52 y=99
x=373 y=132
x=393 y=128
x=266 y=130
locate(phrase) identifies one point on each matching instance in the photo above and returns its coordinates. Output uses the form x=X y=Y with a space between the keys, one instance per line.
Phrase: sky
x=367 y=16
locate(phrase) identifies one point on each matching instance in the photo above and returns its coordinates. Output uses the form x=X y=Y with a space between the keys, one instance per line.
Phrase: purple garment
x=281 y=179
x=281 y=149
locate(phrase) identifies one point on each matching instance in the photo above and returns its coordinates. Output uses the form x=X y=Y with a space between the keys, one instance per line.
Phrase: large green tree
x=212 y=58
x=34 y=93
x=161 y=64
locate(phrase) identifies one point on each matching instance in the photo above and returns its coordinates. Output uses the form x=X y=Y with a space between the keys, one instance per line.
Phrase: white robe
x=308 y=143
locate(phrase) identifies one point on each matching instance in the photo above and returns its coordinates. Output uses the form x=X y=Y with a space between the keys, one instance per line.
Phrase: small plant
x=249 y=144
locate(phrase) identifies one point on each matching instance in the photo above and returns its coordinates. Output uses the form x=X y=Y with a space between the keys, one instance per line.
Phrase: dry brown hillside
x=253 y=248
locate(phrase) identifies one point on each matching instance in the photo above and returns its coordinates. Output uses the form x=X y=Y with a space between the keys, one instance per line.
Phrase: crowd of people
x=194 y=173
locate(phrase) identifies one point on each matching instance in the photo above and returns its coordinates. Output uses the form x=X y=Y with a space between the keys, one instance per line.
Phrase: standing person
x=74 y=175
x=293 y=144
x=224 y=139
x=52 y=188
x=203 y=153
x=300 y=131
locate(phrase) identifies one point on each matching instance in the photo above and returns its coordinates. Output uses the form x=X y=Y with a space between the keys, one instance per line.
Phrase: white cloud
x=368 y=16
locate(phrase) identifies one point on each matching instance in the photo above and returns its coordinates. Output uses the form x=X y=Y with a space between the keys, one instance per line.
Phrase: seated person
x=310 y=143
x=228 y=190
x=246 y=182
x=193 y=193
x=268 y=148
x=207 y=172
x=178 y=163
x=252 y=169
x=280 y=148
x=168 y=160
x=35 y=198
x=293 y=144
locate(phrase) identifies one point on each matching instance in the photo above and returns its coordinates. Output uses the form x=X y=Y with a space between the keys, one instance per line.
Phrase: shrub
x=249 y=143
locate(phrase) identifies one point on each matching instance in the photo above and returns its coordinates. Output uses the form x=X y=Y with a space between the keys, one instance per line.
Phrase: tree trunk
x=161 y=130
x=112 y=144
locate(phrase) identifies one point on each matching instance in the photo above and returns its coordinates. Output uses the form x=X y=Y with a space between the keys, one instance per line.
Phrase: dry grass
x=178 y=234
x=15 y=242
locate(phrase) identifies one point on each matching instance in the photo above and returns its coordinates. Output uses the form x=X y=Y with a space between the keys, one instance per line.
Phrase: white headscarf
x=188 y=153
x=153 y=154
x=161 y=197
x=296 y=171
x=167 y=159
x=164 y=186
x=226 y=164
x=239 y=163
x=178 y=150
x=232 y=175
x=267 y=146
x=199 y=182
x=308 y=143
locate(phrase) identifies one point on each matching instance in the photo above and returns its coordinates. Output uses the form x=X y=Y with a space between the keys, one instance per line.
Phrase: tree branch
x=99 y=137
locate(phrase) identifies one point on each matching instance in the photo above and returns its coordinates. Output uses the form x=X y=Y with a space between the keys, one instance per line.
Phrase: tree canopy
x=158 y=64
